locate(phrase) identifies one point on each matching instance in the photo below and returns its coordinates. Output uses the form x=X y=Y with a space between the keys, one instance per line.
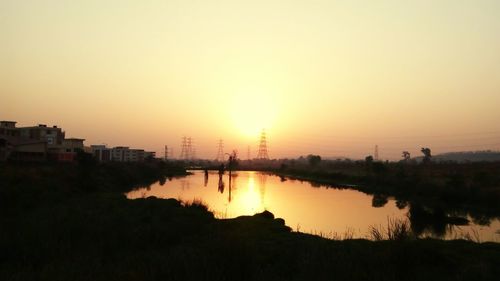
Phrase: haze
x=333 y=78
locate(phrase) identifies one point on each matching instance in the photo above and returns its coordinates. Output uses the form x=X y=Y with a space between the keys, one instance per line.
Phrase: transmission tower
x=263 y=147
x=220 y=152
x=193 y=154
x=189 y=148
x=171 y=153
x=184 y=149
x=166 y=152
x=376 y=153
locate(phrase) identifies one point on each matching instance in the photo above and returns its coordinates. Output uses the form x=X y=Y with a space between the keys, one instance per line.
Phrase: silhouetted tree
x=369 y=159
x=406 y=156
x=313 y=159
x=427 y=155
x=379 y=168
x=232 y=162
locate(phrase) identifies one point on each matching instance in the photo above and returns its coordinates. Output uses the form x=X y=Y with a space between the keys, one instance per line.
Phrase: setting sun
x=252 y=112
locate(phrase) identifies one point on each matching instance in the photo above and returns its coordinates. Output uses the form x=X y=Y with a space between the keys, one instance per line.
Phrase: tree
x=406 y=156
x=313 y=159
x=233 y=160
x=427 y=155
x=369 y=159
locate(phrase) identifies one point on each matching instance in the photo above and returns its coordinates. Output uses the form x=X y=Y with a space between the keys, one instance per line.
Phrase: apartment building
x=36 y=143
x=120 y=154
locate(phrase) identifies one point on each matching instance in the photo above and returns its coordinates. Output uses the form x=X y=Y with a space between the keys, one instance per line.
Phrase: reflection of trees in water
x=231 y=182
x=220 y=185
x=480 y=219
x=379 y=200
x=232 y=179
x=401 y=204
x=425 y=220
x=163 y=180
x=436 y=220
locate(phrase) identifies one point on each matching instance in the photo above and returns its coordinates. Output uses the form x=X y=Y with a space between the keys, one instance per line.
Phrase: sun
x=251 y=113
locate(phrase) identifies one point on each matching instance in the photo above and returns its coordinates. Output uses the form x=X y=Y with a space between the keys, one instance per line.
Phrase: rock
x=266 y=214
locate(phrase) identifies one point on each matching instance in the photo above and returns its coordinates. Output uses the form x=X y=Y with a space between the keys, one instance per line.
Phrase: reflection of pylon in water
x=184 y=150
x=220 y=152
x=263 y=146
x=262 y=187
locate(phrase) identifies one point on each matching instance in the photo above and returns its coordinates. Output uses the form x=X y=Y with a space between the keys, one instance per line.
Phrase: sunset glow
x=335 y=77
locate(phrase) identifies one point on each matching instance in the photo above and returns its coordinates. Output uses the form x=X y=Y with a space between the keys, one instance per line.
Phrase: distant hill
x=468 y=156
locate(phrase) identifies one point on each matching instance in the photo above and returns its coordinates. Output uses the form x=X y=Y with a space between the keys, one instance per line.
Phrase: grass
x=68 y=233
x=396 y=230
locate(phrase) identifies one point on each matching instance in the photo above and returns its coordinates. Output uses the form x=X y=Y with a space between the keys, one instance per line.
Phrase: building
x=29 y=151
x=8 y=128
x=125 y=154
x=149 y=155
x=120 y=154
x=36 y=143
x=101 y=153
x=54 y=136
x=68 y=151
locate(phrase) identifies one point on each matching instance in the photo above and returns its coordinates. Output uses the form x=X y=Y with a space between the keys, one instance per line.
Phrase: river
x=331 y=212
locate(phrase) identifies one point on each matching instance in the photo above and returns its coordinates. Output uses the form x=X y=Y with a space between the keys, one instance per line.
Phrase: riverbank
x=71 y=232
x=470 y=187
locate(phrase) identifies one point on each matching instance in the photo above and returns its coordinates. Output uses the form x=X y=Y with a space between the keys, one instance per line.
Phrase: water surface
x=323 y=210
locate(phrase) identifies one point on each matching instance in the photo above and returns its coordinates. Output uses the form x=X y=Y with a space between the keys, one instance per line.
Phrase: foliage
x=313 y=160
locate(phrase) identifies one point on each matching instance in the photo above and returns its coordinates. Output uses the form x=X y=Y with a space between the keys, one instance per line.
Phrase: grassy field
x=55 y=227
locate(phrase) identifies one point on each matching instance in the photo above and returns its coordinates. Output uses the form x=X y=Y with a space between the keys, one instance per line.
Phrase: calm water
x=306 y=208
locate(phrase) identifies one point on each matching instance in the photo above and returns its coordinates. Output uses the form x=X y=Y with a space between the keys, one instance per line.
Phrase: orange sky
x=326 y=77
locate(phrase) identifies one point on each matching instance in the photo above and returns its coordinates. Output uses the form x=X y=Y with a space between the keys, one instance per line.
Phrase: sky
x=333 y=78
